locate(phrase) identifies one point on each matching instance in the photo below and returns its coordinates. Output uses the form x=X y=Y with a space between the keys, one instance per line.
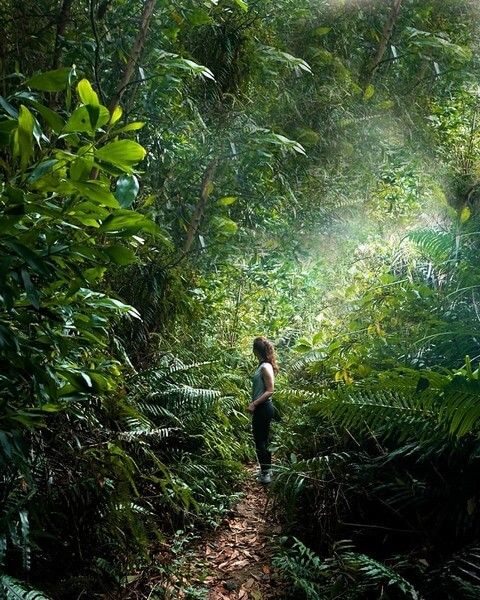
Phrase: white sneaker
x=265 y=477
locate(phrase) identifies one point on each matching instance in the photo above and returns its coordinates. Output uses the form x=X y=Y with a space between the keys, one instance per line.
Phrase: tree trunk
x=385 y=38
x=135 y=53
x=62 y=23
x=205 y=191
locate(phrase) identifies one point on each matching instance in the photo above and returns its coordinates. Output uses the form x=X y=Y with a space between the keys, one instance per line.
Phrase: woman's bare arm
x=269 y=382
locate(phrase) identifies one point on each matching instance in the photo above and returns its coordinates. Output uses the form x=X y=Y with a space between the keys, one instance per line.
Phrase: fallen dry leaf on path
x=240 y=550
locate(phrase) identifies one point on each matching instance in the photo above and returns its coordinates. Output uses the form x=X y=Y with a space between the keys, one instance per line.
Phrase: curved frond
x=18 y=590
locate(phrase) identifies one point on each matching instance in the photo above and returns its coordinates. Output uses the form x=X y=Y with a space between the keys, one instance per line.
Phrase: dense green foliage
x=177 y=177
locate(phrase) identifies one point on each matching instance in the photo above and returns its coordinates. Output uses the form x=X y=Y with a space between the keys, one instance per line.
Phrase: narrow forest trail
x=237 y=556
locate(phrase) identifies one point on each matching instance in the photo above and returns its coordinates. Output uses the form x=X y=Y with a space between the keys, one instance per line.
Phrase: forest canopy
x=180 y=176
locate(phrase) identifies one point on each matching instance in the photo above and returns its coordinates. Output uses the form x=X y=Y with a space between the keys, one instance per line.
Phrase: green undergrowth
x=379 y=447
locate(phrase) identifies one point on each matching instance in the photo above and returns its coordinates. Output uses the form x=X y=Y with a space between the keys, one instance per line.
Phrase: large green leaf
x=53 y=119
x=120 y=255
x=50 y=81
x=24 y=136
x=95 y=192
x=122 y=153
x=86 y=93
x=83 y=120
x=42 y=169
x=128 y=221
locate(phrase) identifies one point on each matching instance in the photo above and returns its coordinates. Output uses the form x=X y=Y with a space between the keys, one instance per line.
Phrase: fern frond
x=375 y=574
x=158 y=411
x=461 y=572
x=164 y=371
x=310 y=362
x=436 y=245
x=349 y=572
x=395 y=414
x=18 y=590
x=412 y=404
x=186 y=397
x=136 y=434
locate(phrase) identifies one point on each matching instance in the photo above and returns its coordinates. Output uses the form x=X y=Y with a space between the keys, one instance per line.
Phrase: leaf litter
x=236 y=558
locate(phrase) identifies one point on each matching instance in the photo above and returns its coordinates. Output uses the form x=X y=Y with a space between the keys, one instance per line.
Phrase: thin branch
x=136 y=52
x=384 y=39
x=205 y=191
x=96 y=68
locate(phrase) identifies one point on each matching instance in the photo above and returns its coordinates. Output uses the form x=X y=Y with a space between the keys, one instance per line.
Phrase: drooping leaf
x=86 y=93
x=50 y=81
x=128 y=221
x=53 y=119
x=116 y=114
x=121 y=255
x=95 y=192
x=8 y=108
x=24 y=136
x=93 y=115
x=80 y=120
x=126 y=190
x=42 y=169
x=226 y=200
x=123 y=153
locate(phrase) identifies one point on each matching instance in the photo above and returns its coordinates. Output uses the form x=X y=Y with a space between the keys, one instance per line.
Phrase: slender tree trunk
x=233 y=335
x=385 y=38
x=132 y=61
x=62 y=23
x=135 y=54
x=205 y=192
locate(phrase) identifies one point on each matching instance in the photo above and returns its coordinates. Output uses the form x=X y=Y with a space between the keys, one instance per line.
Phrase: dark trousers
x=261 y=419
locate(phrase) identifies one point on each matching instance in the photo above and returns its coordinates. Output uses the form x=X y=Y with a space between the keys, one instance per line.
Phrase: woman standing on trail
x=261 y=405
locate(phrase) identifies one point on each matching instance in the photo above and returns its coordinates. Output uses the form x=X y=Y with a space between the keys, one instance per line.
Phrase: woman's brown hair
x=264 y=349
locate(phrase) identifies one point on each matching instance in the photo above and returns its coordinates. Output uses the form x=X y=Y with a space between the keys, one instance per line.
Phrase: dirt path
x=234 y=562
x=237 y=556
